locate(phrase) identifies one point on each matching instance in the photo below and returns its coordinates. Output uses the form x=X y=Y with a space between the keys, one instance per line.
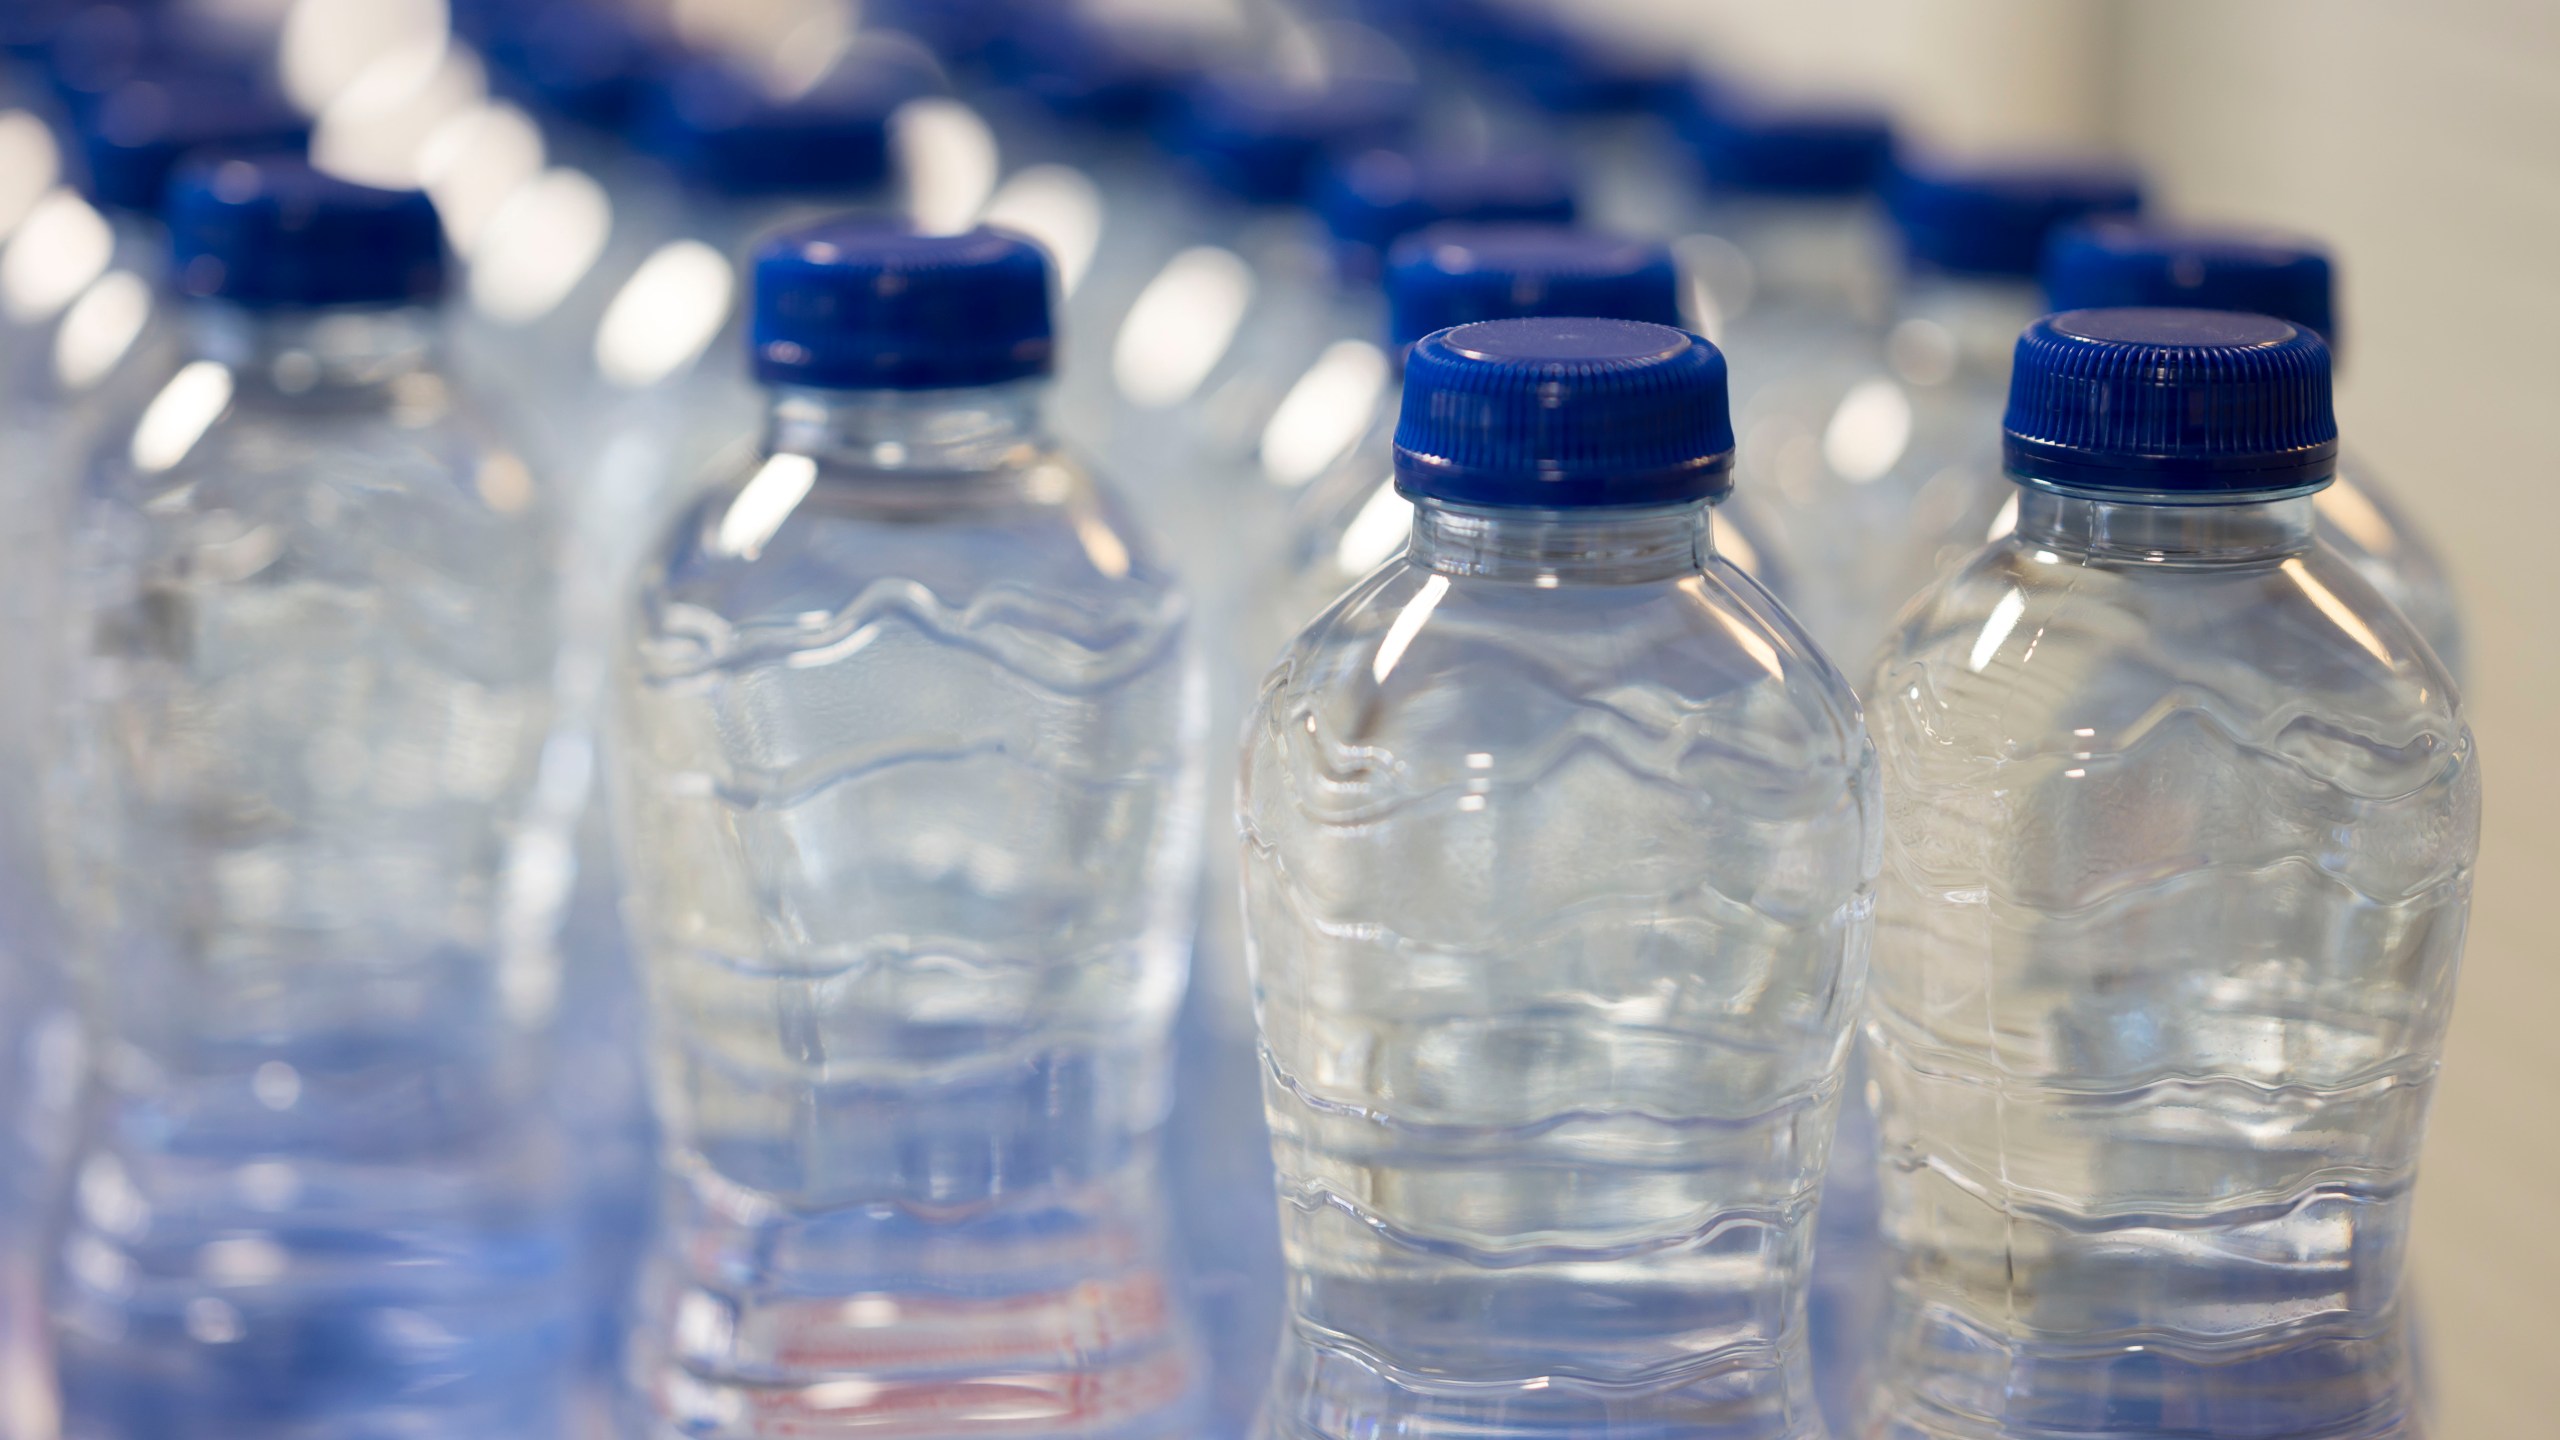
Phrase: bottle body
x=2175 y=883
x=1557 y=845
x=909 y=802
x=313 y=685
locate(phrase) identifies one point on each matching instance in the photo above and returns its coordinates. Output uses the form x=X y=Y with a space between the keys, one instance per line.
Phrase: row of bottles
x=1521 y=1072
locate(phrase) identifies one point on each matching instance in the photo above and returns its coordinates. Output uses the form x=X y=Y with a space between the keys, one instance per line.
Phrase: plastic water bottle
x=1558 y=842
x=2175 y=885
x=1868 y=465
x=909 y=796
x=313 y=1195
x=2125 y=263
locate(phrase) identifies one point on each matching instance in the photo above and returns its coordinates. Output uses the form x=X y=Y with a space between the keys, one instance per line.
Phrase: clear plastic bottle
x=313 y=1194
x=2177 y=866
x=1558 y=839
x=1867 y=464
x=91 y=330
x=908 y=793
x=2112 y=263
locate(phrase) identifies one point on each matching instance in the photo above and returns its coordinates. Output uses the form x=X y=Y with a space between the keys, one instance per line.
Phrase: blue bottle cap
x=1373 y=199
x=1555 y=414
x=721 y=130
x=273 y=233
x=1757 y=146
x=2111 y=263
x=1461 y=274
x=590 y=63
x=858 y=304
x=1259 y=137
x=1994 y=219
x=2193 y=404
x=135 y=136
x=1083 y=67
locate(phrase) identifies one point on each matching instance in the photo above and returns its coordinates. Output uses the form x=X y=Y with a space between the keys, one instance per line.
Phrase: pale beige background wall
x=2422 y=137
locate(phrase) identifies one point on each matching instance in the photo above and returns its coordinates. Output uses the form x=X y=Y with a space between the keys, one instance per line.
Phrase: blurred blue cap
x=1564 y=413
x=592 y=63
x=1751 y=145
x=1374 y=198
x=135 y=136
x=271 y=232
x=856 y=304
x=1460 y=274
x=1086 y=67
x=1994 y=218
x=2115 y=263
x=2199 y=404
x=722 y=130
x=1260 y=137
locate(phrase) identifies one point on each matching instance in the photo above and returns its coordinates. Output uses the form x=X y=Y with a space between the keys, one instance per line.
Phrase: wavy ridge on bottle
x=1592 y=912
x=1785 y=1108
x=1022 y=631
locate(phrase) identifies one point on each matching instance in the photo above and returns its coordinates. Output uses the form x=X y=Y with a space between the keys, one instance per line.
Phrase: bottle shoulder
x=2029 y=654
x=1433 y=669
x=786 y=555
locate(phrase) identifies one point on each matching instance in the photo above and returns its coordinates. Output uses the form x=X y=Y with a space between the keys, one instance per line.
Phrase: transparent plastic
x=2178 y=858
x=1351 y=519
x=1558 y=841
x=2374 y=532
x=1870 y=461
x=313 y=1194
x=908 y=791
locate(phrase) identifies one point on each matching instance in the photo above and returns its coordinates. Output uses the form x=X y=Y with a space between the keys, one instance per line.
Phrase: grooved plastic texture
x=853 y=305
x=2171 y=402
x=1460 y=274
x=1564 y=413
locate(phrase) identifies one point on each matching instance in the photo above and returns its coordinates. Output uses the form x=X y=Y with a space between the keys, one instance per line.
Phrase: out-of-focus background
x=2422 y=141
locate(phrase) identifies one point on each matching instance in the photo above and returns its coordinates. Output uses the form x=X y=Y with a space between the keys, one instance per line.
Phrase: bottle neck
x=1612 y=546
x=923 y=432
x=333 y=353
x=2152 y=532
x=1962 y=325
x=1805 y=249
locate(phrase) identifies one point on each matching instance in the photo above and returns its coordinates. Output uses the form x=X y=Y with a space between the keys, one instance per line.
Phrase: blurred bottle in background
x=82 y=282
x=1550 y=1110
x=2116 y=263
x=1787 y=246
x=315 y=1194
x=2175 y=888
x=1867 y=465
x=909 y=789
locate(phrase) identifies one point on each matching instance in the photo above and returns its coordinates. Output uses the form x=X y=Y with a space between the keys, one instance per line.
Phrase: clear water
x=908 y=790
x=2178 y=860
x=314 y=1195
x=1558 y=839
